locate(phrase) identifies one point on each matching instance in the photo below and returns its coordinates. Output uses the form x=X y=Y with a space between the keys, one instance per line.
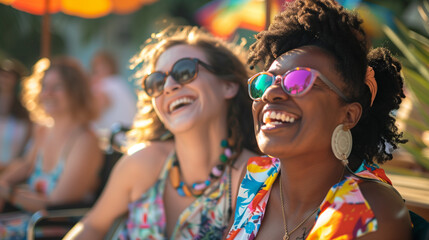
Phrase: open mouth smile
x=272 y=119
x=179 y=103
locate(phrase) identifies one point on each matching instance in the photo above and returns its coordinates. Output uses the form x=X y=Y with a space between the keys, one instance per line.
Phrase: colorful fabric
x=223 y=17
x=206 y=218
x=14 y=225
x=45 y=182
x=343 y=214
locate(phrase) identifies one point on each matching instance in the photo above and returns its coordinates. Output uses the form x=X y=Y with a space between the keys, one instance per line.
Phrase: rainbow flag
x=223 y=17
x=373 y=15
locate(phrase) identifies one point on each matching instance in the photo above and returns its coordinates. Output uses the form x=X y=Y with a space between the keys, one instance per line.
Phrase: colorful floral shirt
x=343 y=214
x=206 y=218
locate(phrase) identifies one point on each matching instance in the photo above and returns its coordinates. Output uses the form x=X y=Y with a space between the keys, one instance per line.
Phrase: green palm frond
x=415 y=51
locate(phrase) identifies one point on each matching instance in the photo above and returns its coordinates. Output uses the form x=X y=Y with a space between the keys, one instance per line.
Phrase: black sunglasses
x=185 y=70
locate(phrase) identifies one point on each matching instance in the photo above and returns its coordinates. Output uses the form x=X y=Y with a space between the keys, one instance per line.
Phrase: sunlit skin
x=308 y=167
x=53 y=96
x=206 y=91
x=198 y=127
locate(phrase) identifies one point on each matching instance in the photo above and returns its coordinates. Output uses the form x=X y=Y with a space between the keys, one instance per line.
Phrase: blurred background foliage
x=414 y=112
x=400 y=25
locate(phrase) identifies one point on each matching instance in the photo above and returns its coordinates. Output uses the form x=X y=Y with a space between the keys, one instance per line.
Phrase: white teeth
x=276 y=118
x=178 y=102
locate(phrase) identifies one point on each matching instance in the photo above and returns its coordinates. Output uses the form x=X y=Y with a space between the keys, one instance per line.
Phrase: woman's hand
x=28 y=200
x=5 y=190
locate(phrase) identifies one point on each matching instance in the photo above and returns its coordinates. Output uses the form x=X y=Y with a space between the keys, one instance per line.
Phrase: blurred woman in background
x=63 y=163
x=15 y=125
x=115 y=101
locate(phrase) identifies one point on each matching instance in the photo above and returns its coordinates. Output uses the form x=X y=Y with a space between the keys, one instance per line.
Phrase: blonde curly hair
x=227 y=60
x=76 y=86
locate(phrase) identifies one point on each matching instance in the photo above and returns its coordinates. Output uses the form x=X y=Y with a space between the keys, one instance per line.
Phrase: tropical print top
x=45 y=182
x=14 y=225
x=343 y=214
x=206 y=218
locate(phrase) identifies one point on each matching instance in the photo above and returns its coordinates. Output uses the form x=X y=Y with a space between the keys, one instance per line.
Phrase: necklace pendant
x=286 y=237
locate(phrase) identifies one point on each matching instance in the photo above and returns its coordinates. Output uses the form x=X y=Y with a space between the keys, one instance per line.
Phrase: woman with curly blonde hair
x=194 y=86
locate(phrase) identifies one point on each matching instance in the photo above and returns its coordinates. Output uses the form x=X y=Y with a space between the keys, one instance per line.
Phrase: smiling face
x=287 y=126
x=53 y=96
x=181 y=107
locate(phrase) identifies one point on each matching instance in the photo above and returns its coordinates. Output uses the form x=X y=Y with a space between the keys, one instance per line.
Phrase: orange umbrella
x=80 y=8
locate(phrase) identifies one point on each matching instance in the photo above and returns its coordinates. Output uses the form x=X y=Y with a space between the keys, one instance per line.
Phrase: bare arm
x=78 y=178
x=16 y=172
x=19 y=169
x=119 y=192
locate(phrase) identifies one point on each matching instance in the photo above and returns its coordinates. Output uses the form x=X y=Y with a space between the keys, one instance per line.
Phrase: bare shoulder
x=142 y=168
x=389 y=209
x=87 y=138
x=151 y=155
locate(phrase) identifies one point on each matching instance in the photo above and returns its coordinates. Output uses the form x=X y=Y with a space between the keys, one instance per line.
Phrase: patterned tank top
x=206 y=218
x=45 y=182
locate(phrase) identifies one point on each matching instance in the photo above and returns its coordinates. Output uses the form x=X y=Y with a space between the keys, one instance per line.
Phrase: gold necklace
x=288 y=234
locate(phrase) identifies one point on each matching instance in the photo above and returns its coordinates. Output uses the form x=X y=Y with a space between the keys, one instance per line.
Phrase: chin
x=180 y=126
x=270 y=146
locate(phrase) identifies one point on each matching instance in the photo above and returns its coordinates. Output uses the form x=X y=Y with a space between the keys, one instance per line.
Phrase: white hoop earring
x=342 y=143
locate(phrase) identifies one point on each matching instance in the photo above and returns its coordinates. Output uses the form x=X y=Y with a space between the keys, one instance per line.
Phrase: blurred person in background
x=15 y=125
x=194 y=86
x=115 y=100
x=62 y=165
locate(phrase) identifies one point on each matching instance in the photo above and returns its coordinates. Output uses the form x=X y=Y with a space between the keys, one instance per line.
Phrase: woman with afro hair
x=322 y=112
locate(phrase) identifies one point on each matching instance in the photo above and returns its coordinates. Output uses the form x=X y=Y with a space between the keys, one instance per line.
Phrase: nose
x=171 y=85
x=275 y=91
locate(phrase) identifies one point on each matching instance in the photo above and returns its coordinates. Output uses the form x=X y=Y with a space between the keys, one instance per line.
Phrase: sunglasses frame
x=196 y=62
x=314 y=75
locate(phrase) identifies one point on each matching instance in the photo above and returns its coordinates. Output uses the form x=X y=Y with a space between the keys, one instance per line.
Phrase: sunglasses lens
x=297 y=82
x=184 y=71
x=259 y=84
x=154 y=84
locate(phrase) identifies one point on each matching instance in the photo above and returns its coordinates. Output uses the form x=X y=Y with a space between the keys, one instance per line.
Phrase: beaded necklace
x=198 y=188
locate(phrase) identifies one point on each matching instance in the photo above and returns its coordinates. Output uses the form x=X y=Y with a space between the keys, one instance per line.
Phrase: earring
x=342 y=143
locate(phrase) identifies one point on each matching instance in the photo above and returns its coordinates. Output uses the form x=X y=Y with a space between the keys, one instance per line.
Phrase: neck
x=307 y=179
x=198 y=151
x=65 y=123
